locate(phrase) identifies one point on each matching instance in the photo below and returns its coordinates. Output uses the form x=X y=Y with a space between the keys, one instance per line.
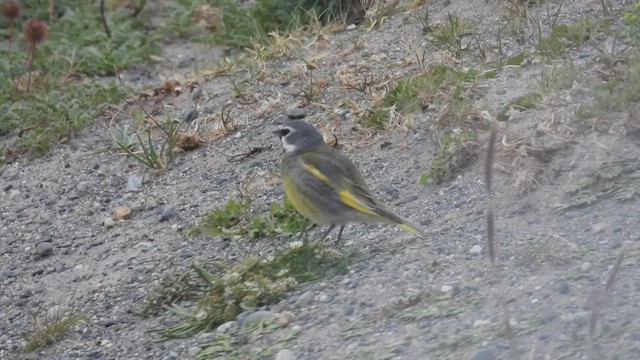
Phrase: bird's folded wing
x=347 y=182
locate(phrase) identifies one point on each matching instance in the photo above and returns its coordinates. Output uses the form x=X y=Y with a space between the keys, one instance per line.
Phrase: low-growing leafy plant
x=238 y=218
x=256 y=281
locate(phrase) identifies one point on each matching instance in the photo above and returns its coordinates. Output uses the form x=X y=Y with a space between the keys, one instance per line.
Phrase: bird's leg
x=326 y=233
x=339 y=234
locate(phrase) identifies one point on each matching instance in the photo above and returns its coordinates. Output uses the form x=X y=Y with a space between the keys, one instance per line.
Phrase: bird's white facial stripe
x=288 y=147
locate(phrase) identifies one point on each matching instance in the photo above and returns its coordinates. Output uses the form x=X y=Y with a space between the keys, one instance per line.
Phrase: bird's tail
x=402 y=222
x=414 y=229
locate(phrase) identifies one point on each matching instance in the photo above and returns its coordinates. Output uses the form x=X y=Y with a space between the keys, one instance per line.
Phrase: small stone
x=72 y=195
x=598 y=228
x=285 y=318
x=224 y=328
x=285 y=354
x=296 y=114
x=393 y=193
x=580 y=319
x=407 y=199
x=483 y=354
x=476 y=250
x=134 y=182
x=255 y=318
x=481 y=323
x=109 y=223
x=201 y=315
x=324 y=298
x=563 y=287
x=14 y=194
x=44 y=248
x=194 y=351
x=167 y=214
x=304 y=299
x=122 y=213
x=586 y=266
x=446 y=288
x=190 y=115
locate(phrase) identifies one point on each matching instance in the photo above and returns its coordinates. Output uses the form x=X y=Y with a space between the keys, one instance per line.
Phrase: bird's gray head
x=298 y=136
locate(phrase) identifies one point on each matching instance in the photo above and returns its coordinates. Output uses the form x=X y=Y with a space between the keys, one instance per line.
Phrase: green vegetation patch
x=49 y=327
x=564 y=38
x=436 y=87
x=238 y=218
x=256 y=281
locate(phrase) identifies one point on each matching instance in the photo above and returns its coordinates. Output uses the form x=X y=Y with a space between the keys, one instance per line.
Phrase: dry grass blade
x=614 y=271
x=491 y=151
x=491 y=234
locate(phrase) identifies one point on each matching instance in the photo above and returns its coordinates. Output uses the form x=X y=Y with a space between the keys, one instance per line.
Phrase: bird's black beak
x=279 y=133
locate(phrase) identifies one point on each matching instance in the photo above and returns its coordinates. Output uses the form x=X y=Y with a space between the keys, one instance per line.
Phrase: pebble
x=109 y=223
x=122 y=213
x=224 y=328
x=580 y=319
x=446 y=288
x=167 y=213
x=44 y=248
x=304 y=299
x=407 y=199
x=285 y=354
x=285 y=318
x=194 y=351
x=254 y=318
x=324 y=298
x=296 y=114
x=476 y=250
x=483 y=354
x=134 y=182
x=598 y=228
x=481 y=323
x=563 y=287
x=190 y=115
x=586 y=266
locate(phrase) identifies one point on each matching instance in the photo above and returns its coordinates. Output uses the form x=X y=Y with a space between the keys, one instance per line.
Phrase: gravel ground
x=62 y=248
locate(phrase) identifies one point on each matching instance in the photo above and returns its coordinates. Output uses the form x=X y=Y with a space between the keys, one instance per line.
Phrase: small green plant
x=458 y=149
x=451 y=33
x=151 y=154
x=438 y=87
x=564 y=38
x=49 y=327
x=238 y=218
x=256 y=281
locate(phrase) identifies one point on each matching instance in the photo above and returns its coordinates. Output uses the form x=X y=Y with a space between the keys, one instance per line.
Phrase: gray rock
x=224 y=328
x=579 y=319
x=407 y=199
x=285 y=354
x=44 y=248
x=167 y=213
x=190 y=115
x=483 y=354
x=109 y=223
x=476 y=250
x=253 y=318
x=296 y=114
x=194 y=351
x=304 y=299
x=134 y=182
x=564 y=288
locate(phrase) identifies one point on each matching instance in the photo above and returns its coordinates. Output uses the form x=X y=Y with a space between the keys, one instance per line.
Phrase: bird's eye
x=285 y=132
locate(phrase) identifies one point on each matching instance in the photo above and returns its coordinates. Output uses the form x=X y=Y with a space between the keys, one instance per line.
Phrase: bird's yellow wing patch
x=352 y=200
x=346 y=196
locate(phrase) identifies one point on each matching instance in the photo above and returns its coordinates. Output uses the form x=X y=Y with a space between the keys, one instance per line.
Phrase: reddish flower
x=35 y=32
x=11 y=9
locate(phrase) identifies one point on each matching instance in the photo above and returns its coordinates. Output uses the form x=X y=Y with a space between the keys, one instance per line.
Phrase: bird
x=326 y=187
